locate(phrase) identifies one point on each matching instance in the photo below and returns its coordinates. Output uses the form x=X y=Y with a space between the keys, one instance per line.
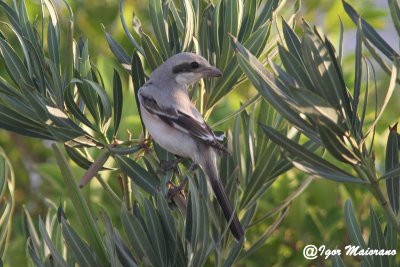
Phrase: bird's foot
x=174 y=189
x=168 y=166
x=193 y=167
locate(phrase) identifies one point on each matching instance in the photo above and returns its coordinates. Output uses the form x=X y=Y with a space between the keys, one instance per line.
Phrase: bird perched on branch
x=177 y=126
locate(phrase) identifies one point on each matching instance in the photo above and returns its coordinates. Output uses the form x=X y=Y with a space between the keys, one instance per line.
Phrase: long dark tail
x=210 y=169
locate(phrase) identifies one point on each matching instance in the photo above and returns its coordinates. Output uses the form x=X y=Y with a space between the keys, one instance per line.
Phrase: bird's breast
x=168 y=137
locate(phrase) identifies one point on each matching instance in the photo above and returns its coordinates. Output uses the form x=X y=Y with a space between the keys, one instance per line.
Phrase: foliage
x=304 y=115
x=61 y=96
x=7 y=186
x=311 y=84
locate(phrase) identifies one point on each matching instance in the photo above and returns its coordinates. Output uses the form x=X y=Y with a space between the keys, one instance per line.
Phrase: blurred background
x=316 y=217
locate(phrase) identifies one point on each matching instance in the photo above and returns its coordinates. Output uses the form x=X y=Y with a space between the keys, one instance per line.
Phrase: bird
x=177 y=126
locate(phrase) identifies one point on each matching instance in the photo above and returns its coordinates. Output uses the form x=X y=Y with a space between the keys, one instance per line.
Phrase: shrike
x=177 y=126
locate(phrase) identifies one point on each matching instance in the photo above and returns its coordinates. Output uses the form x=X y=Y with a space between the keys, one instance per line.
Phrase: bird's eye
x=194 y=65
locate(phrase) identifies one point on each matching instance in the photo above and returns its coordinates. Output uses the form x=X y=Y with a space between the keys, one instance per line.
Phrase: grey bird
x=177 y=126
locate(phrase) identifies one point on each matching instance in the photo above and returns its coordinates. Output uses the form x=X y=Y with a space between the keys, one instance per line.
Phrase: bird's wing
x=195 y=127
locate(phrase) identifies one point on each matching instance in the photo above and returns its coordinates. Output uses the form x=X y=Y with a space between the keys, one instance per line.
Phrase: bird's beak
x=212 y=72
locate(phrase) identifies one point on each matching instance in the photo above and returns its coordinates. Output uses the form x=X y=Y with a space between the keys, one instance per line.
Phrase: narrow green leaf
x=199 y=227
x=156 y=233
x=377 y=241
x=33 y=254
x=78 y=157
x=54 y=18
x=189 y=24
x=166 y=216
x=232 y=20
x=159 y=25
x=321 y=69
x=153 y=57
x=53 y=45
x=126 y=29
x=357 y=76
x=310 y=103
x=24 y=47
x=15 y=67
x=391 y=241
x=26 y=26
x=51 y=246
x=74 y=109
x=249 y=13
x=15 y=122
x=388 y=96
x=232 y=72
x=266 y=13
x=138 y=175
x=69 y=55
x=12 y=16
x=84 y=256
x=292 y=42
x=81 y=207
x=118 y=101
x=124 y=254
x=175 y=247
x=353 y=230
x=216 y=27
x=395 y=13
x=138 y=238
x=311 y=161
x=105 y=101
x=337 y=261
x=8 y=89
x=57 y=88
x=31 y=233
x=271 y=89
x=138 y=79
x=391 y=161
x=295 y=68
x=234 y=253
x=370 y=32
x=335 y=144
x=340 y=53
x=118 y=51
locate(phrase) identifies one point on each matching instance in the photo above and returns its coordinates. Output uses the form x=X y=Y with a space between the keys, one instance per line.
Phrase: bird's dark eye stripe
x=185 y=67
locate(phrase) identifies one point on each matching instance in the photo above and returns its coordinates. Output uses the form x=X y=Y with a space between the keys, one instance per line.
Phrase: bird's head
x=187 y=68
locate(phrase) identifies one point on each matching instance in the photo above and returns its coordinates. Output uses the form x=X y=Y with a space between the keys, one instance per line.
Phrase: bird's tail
x=210 y=169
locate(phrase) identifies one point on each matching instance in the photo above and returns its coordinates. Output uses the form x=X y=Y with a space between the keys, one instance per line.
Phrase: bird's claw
x=176 y=196
x=168 y=166
x=174 y=189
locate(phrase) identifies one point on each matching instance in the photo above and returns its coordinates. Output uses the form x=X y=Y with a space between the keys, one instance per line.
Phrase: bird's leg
x=176 y=196
x=174 y=189
x=169 y=165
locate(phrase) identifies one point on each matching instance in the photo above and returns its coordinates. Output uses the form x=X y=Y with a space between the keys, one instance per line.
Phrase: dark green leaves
x=118 y=100
x=81 y=207
x=7 y=184
x=79 y=248
x=119 y=52
x=354 y=232
x=308 y=161
x=391 y=161
x=15 y=67
x=138 y=175
x=370 y=33
x=158 y=21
